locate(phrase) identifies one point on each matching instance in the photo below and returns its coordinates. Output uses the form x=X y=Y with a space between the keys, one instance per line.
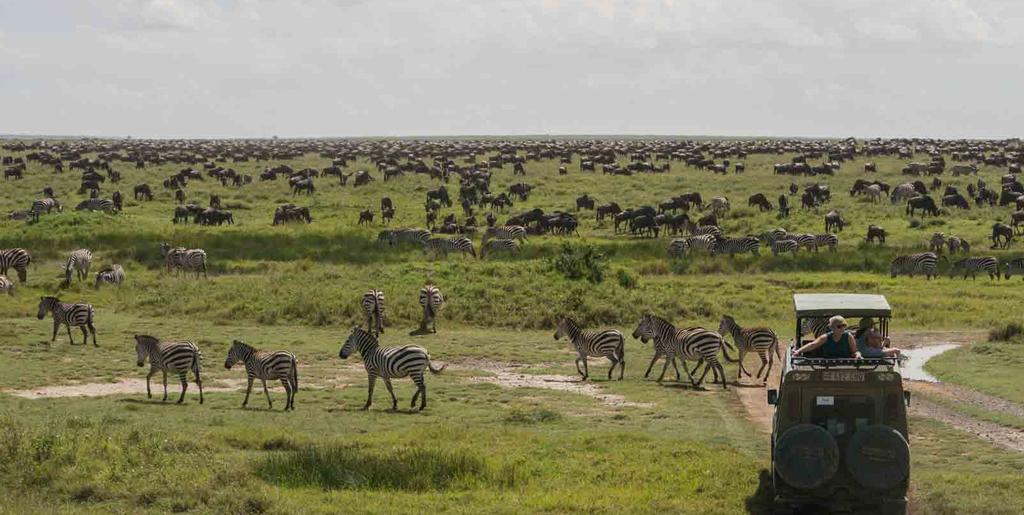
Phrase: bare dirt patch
x=121 y=387
x=511 y=375
x=1002 y=436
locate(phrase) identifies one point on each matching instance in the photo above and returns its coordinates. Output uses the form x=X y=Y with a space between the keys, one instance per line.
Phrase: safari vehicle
x=839 y=433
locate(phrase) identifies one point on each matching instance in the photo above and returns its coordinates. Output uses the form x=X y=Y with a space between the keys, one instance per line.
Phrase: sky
x=319 y=68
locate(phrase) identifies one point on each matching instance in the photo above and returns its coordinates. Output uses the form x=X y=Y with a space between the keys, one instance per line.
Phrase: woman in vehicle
x=835 y=344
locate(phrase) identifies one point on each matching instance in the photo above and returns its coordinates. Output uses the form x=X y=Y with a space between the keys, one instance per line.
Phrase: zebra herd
x=710 y=240
x=501 y=239
x=926 y=264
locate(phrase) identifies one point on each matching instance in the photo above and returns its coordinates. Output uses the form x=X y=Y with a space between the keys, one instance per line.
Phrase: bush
x=580 y=261
x=915 y=223
x=1006 y=332
x=626 y=279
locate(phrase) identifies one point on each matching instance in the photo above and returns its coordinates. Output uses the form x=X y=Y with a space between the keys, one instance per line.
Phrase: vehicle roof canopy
x=845 y=304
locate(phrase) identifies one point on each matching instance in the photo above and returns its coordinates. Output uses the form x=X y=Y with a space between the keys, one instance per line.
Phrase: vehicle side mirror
x=773 y=397
x=906 y=398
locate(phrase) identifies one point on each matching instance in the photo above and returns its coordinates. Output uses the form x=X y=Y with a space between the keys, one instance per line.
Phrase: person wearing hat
x=835 y=344
x=865 y=326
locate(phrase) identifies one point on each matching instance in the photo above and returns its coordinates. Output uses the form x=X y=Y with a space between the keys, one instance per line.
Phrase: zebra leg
x=394 y=400
x=85 y=335
x=674 y=366
x=612 y=369
x=622 y=366
x=68 y=327
x=586 y=368
x=184 y=386
x=270 y=404
x=287 y=393
x=92 y=330
x=248 y=390
x=152 y=372
x=721 y=369
x=421 y=386
x=653 y=360
x=578 y=369
x=664 y=367
x=199 y=383
x=369 y=397
x=165 y=385
x=764 y=363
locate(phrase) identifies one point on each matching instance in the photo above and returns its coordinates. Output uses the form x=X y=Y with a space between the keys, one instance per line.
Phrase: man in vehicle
x=835 y=344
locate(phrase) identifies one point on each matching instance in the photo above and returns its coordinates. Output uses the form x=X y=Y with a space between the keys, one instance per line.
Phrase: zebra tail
x=433 y=370
x=725 y=352
x=295 y=373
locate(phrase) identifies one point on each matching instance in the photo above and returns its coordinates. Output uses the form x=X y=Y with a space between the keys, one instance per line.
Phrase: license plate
x=843 y=375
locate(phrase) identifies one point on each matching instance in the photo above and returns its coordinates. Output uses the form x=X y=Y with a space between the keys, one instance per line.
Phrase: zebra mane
x=242 y=345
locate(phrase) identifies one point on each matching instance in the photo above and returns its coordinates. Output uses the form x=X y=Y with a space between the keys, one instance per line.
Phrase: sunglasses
x=841 y=326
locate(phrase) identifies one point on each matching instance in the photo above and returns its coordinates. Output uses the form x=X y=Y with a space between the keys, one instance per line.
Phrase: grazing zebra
x=973 y=265
x=958 y=244
x=808 y=241
x=444 y=246
x=506 y=232
x=718 y=205
x=695 y=343
x=704 y=242
x=937 y=241
x=388 y=363
x=6 y=285
x=175 y=357
x=608 y=343
x=704 y=230
x=78 y=315
x=774 y=235
x=96 y=204
x=400 y=236
x=431 y=299
x=761 y=340
x=17 y=259
x=826 y=240
x=263 y=365
x=780 y=246
x=44 y=204
x=114 y=274
x=678 y=247
x=79 y=261
x=180 y=258
x=920 y=263
x=735 y=246
x=373 y=307
x=1014 y=266
x=499 y=246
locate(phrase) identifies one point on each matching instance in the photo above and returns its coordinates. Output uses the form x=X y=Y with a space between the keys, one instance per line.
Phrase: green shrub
x=1006 y=332
x=626 y=278
x=580 y=261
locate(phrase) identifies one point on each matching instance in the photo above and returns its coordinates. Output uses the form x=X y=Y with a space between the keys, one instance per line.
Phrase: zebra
x=18 y=259
x=660 y=350
x=490 y=246
x=780 y=246
x=958 y=244
x=923 y=262
x=176 y=357
x=937 y=241
x=678 y=247
x=774 y=235
x=181 y=258
x=444 y=246
x=431 y=299
x=6 y=285
x=735 y=246
x=704 y=230
x=608 y=343
x=704 y=242
x=815 y=325
x=693 y=343
x=373 y=307
x=826 y=240
x=761 y=340
x=971 y=266
x=1014 y=266
x=506 y=232
x=807 y=241
x=79 y=260
x=78 y=315
x=44 y=204
x=263 y=365
x=96 y=204
x=400 y=236
x=388 y=363
x=114 y=274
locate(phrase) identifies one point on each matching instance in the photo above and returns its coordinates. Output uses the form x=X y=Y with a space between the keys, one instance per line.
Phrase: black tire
x=878 y=457
x=806 y=456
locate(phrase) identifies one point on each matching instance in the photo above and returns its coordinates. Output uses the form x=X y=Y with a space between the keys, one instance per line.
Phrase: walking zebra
x=431 y=300
x=780 y=246
x=488 y=247
x=44 y=204
x=6 y=285
x=444 y=246
x=695 y=343
x=373 y=308
x=180 y=258
x=388 y=363
x=177 y=357
x=920 y=263
x=735 y=246
x=973 y=265
x=1014 y=266
x=78 y=315
x=17 y=259
x=506 y=232
x=400 y=236
x=608 y=343
x=660 y=350
x=114 y=274
x=79 y=261
x=761 y=340
x=263 y=365
x=826 y=240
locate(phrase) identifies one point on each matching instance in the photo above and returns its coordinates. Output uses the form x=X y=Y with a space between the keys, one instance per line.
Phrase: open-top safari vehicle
x=839 y=433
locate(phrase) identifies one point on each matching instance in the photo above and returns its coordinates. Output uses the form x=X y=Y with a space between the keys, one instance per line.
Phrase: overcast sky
x=254 y=68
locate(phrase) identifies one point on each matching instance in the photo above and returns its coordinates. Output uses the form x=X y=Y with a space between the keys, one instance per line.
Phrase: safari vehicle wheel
x=806 y=456
x=878 y=457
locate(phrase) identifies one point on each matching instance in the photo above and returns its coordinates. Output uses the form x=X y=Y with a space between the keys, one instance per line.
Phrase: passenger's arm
x=854 y=351
x=818 y=342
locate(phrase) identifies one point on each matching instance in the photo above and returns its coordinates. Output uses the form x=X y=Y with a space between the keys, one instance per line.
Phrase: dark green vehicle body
x=839 y=433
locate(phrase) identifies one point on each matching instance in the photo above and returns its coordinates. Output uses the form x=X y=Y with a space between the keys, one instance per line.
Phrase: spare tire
x=806 y=456
x=878 y=457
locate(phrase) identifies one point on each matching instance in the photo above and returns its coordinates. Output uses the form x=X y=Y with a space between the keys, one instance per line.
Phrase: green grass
x=993 y=368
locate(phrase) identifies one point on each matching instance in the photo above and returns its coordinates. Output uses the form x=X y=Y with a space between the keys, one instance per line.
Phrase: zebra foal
x=176 y=357
x=608 y=343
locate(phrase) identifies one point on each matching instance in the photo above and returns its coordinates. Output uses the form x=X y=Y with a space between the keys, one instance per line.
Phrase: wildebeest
x=211 y=216
x=875 y=232
x=955 y=200
x=759 y=200
x=1002 y=235
x=584 y=202
x=291 y=213
x=604 y=210
x=365 y=216
x=834 y=220
x=924 y=203
x=143 y=192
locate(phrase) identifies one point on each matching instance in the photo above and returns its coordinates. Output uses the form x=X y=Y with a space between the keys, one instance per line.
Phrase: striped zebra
x=826 y=240
x=18 y=259
x=492 y=246
x=761 y=340
x=661 y=351
x=390 y=362
x=704 y=242
x=78 y=315
x=96 y=204
x=404 y=236
x=6 y=285
x=180 y=258
x=506 y=232
x=373 y=308
x=79 y=260
x=807 y=241
x=704 y=230
x=695 y=343
x=781 y=246
x=263 y=365
x=431 y=299
x=774 y=235
x=733 y=246
x=1014 y=266
x=958 y=244
x=114 y=274
x=937 y=241
x=177 y=357
x=46 y=205
x=920 y=263
x=815 y=325
x=608 y=343
x=678 y=247
x=973 y=265
x=444 y=246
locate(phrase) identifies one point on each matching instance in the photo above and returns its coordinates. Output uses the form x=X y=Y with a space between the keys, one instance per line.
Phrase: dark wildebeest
x=1001 y=232
x=834 y=220
x=365 y=217
x=143 y=192
x=875 y=233
x=584 y=202
x=924 y=203
x=759 y=200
